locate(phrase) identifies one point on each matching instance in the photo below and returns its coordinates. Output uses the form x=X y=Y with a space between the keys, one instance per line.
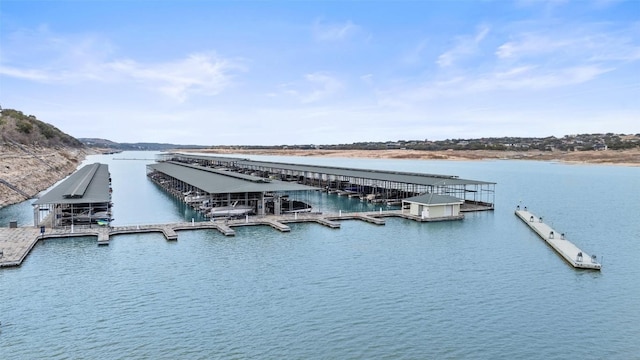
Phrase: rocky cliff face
x=33 y=156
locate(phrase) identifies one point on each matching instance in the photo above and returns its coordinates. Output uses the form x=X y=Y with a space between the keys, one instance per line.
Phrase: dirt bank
x=610 y=157
x=27 y=170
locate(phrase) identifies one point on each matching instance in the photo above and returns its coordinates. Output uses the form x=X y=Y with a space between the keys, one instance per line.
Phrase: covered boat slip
x=209 y=189
x=390 y=187
x=84 y=198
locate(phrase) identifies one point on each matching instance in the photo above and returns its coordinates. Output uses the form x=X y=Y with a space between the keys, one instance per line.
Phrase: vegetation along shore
x=35 y=155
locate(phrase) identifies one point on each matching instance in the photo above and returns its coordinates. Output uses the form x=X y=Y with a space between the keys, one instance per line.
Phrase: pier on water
x=565 y=248
x=16 y=243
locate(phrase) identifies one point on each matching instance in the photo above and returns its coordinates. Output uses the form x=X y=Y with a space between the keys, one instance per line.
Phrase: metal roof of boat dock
x=90 y=184
x=384 y=175
x=220 y=181
x=434 y=199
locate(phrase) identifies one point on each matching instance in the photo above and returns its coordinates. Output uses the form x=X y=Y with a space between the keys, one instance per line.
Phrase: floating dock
x=15 y=244
x=570 y=252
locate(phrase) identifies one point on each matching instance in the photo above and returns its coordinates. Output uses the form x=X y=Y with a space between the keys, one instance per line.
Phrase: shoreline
x=29 y=170
x=608 y=157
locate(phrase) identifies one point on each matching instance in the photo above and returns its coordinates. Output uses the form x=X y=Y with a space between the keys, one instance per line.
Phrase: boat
x=233 y=210
x=294 y=206
x=85 y=217
x=197 y=198
x=101 y=215
x=289 y=206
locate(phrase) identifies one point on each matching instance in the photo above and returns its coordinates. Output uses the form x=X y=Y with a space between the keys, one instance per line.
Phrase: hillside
x=33 y=156
x=111 y=146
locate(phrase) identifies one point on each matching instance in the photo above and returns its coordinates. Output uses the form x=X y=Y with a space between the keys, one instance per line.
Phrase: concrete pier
x=570 y=252
x=329 y=223
x=366 y=217
x=16 y=243
x=103 y=236
x=277 y=225
x=169 y=233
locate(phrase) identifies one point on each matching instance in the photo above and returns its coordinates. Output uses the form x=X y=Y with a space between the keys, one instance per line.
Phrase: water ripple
x=482 y=288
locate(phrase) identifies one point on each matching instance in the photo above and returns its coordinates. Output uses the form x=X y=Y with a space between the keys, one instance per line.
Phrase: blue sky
x=298 y=72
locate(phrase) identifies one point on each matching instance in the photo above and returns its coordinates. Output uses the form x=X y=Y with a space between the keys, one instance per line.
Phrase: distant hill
x=18 y=128
x=105 y=144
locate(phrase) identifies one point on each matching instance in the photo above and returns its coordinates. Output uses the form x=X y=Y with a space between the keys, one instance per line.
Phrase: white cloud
x=196 y=74
x=324 y=86
x=54 y=57
x=500 y=72
x=574 y=45
x=316 y=87
x=465 y=46
x=335 y=31
x=532 y=45
x=532 y=78
x=367 y=79
x=521 y=79
x=601 y=4
x=43 y=56
x=414 y=56
x=26 y=74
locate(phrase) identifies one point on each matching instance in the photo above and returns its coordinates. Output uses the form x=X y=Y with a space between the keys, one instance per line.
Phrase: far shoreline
x=629 y=158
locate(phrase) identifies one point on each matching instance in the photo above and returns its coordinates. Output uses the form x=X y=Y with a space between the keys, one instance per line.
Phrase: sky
x=325 y=72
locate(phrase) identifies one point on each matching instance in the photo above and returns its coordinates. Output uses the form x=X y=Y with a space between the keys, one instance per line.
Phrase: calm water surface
x=485 y=287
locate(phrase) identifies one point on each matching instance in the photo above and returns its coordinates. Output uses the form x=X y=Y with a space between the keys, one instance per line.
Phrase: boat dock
x=570 y=252
x=16 y=243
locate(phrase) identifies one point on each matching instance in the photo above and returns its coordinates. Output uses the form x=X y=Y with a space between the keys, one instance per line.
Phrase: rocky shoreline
x=28 y=170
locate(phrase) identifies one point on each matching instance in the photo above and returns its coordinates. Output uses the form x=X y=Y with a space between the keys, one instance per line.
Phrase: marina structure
x=83 y=198
x=566 y=249
x=221 y=192
x=208 y=182
x=239 y=192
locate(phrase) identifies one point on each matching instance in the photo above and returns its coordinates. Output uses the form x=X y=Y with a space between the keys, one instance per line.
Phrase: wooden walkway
x=16 y=243
x=570 y=252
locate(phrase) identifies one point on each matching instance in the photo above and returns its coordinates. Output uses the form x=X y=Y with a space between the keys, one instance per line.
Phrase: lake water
x=483 y=288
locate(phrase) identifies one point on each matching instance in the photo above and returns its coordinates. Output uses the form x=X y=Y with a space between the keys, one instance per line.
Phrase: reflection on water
x=484 y=287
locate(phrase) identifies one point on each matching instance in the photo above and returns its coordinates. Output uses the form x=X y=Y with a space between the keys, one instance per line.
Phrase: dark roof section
x=434 y=199
x=385 y=175
x=90 y=184
x=219 y=181
x=78 y=189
